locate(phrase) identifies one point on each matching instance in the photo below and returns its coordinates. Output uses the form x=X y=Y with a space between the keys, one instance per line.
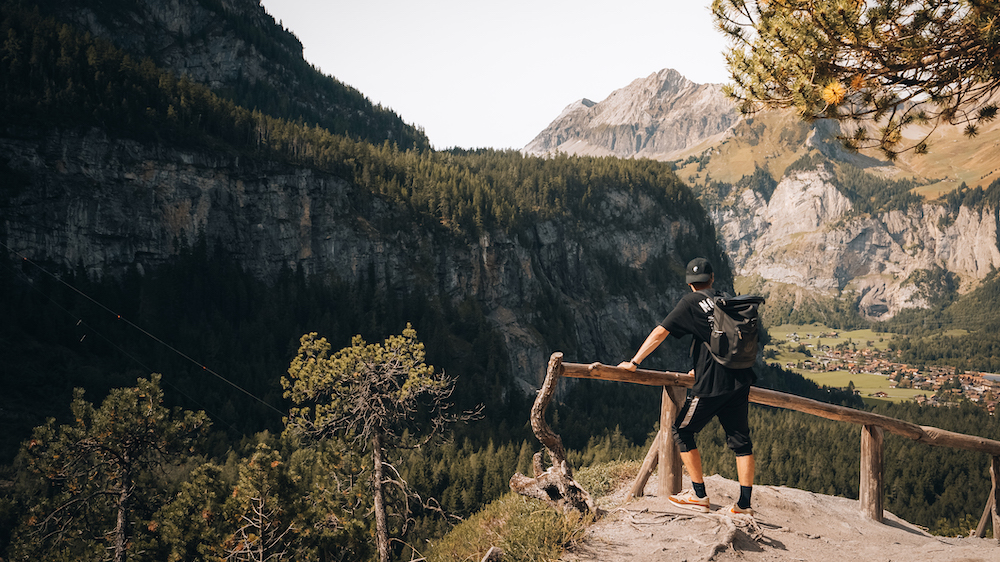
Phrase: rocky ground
x=790 y=525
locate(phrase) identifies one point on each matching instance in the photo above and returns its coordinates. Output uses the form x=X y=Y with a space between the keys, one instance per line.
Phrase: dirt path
x=790 y=525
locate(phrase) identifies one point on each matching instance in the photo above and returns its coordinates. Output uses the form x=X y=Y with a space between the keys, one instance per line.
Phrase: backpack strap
x=711 y=294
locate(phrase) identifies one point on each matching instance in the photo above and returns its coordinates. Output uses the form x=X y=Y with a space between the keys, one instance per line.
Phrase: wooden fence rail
x=664 y=451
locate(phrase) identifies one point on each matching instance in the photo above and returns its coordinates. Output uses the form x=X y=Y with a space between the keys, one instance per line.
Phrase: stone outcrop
x=653 y=117
x=806 y=236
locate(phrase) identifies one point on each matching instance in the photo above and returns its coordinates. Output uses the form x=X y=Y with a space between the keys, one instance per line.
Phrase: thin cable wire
x=81 y=322
x=141 y=330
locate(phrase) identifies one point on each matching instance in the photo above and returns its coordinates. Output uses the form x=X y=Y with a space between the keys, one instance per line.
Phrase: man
x=718 y=391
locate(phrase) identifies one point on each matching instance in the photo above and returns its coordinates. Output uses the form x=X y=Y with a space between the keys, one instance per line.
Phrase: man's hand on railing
x=627 y=365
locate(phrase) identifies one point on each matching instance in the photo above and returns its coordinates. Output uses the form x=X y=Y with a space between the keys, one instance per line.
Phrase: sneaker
x=689 y=500
x=737 y=510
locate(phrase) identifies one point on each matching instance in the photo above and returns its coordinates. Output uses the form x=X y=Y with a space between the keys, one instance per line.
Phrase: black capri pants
x=731 y=409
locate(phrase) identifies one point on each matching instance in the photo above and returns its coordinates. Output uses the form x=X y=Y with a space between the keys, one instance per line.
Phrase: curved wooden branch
x=554 y=486
x=551 y=441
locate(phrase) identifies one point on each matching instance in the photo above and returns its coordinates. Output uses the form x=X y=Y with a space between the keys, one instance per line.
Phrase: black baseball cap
x=699 y=270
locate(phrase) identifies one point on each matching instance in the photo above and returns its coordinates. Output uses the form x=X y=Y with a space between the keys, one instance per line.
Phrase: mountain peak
x=654 y=117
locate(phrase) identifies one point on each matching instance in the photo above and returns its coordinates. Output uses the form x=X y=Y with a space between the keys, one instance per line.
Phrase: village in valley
x=866 y=365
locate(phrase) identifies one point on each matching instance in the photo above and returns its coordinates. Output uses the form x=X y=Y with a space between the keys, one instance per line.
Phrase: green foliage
x=808 y=162
x=886 y=65
x=89 y=491
x=976 y=345
x=365 y=390
x=381 y=396
x=264 y=527
x=963 y=528
x=760 y=181
x=976 y=198
x=937 y=284
x=525 y=529
x=287 y=502
x=870 y=194
x=190 y=526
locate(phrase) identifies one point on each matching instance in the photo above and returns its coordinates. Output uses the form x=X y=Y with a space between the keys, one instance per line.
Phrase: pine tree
x=90 y=473
x=265 y=530
x=891 y=64
x=381 y=395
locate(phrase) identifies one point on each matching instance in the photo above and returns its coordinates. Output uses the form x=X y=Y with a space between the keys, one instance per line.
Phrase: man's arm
x=653 y=340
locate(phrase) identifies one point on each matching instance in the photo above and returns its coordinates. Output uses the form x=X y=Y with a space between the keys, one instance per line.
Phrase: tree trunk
x=121 y=523
x=381 y=529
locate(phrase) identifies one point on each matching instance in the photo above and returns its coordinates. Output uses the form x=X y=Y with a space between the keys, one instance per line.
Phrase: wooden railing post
x=995 y=511
x=648 y=465
x=670 y=472
x=870 y=495
x=987 y=517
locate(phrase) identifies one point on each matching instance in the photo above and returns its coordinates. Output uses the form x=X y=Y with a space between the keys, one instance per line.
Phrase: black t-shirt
x=691 y=317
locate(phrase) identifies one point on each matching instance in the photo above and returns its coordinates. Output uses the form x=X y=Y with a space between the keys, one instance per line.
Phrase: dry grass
x=526 y=529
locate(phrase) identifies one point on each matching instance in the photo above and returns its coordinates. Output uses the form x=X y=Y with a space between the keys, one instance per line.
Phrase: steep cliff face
x=653 y=117
x=107 y=204
x=806 y=237
x=237 y=49
x=190 y=37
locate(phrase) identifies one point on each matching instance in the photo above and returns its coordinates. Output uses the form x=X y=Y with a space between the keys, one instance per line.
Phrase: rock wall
x=188 y=38
x=805 y=236
x=107 y=204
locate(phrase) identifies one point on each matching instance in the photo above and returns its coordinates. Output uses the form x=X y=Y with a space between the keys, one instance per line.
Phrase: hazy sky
x=477 y=73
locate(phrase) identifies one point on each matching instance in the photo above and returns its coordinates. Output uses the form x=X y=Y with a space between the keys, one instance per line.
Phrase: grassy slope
x=775 y=139
x=955 y=158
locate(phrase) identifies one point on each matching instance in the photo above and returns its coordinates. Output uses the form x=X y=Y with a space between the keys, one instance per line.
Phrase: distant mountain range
x=803 y=219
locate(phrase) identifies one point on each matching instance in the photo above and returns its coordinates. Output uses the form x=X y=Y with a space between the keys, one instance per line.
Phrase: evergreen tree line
x=962 y=333
x=974 y=198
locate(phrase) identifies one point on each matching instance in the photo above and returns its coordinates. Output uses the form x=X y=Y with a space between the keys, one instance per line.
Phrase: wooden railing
x=664 y=451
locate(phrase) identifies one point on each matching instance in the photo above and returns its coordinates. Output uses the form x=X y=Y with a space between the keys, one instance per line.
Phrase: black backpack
x=735 y=323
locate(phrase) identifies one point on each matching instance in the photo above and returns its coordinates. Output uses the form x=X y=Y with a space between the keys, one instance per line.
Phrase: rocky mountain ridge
x=653 y=117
